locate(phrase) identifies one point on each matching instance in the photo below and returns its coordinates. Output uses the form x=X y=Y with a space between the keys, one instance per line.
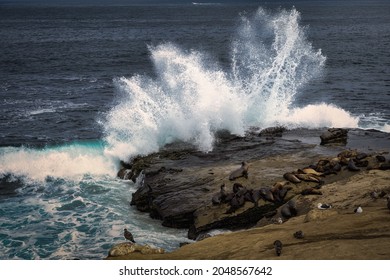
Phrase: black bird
x=127 y=234
x=278 y=247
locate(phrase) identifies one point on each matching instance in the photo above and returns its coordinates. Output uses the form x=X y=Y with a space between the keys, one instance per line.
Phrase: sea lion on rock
x=240 y=172
x=289 y=209
x=266 y=194
x=220 y=197
x=279 y=193
x=311 y=171
x=309 y=191
x=307 y=178
x=278 y=247
x=352 y=166
x=291 y=178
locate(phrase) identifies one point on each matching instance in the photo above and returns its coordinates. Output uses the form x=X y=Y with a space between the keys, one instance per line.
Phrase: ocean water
x=83 y=87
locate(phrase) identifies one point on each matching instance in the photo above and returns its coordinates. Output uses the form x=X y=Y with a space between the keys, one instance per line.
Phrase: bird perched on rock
x=278 y=247
x=127 y=234
x=323 y=206
x=299 y=234
x=358 y=210
x=388 y=202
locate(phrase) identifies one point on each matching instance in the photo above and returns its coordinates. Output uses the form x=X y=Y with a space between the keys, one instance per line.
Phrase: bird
x=323 y=206
x=278 y=247
x=388 y=202
x=299 y=234
x=127 y=234
x=358 y=210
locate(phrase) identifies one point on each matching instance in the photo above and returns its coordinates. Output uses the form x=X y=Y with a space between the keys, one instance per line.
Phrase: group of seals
x=240 y=194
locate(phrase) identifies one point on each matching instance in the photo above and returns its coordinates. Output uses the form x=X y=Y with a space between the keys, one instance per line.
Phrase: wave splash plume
x=192 y=97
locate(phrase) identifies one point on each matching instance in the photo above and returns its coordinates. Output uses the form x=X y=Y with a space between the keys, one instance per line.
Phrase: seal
x=299 y=234
x=278 y=247
x=311 y=171
x=127 y=234
x=240 y=172
x=289 y=209
x=352 y=166
x=220 y=197
x=291 y=178
x=309 y=191
x=307 y=178
x=279 y=193
x=266 y=194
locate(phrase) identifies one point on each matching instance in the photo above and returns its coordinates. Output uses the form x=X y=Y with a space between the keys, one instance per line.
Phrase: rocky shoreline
x=289 y=173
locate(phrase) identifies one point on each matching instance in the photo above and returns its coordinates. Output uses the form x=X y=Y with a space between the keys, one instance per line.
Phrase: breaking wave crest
x=192 y=97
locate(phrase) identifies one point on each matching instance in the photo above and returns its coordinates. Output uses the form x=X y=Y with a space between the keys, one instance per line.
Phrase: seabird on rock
x=388 y=202
x=358 y=210
x=323 y=206
x=278 y=247
x=127 y=234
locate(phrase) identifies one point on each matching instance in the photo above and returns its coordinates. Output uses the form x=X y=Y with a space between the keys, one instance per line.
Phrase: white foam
x=192 y=97
x=70 y=162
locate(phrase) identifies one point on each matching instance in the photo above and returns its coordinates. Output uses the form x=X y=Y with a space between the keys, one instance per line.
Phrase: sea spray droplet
x=192 y=97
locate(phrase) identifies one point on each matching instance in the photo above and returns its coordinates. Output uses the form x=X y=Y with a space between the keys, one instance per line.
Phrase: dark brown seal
x=289 y=209
x=240 y=172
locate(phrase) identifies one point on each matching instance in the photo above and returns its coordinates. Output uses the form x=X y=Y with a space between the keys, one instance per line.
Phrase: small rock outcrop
x=335 y=137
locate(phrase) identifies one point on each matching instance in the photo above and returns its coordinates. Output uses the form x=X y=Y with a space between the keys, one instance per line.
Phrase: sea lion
x=289 y=209
x=384 y=166
x=127 y=234
x=240 y=172
x=352 y=166
x=311 y=171
x=279 y=193
x=236 y=202
x=220 y=197
x=299 y=234
x=266 y=194
x=309 y=191
x=380 y=158
x=237 y=187
x=307 y=178
x=278 y=247
x=291 y=178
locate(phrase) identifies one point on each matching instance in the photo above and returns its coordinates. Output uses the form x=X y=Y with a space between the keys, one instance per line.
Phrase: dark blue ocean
x=83 y=87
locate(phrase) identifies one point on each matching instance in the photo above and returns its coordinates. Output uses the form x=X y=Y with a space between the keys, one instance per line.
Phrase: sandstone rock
x=126 y=248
